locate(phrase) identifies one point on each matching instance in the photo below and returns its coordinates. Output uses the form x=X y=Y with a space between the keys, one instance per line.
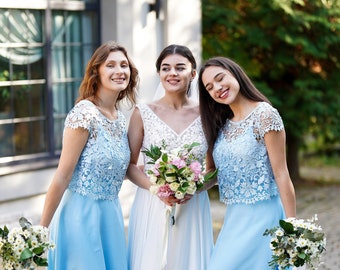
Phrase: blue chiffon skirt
x=241 y=244
x=88 y=234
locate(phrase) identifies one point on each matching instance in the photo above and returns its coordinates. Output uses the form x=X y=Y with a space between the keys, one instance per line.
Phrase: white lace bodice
x=155 y=131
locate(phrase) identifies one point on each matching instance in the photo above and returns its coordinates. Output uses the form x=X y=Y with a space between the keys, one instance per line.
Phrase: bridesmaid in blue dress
x=82 y=201
x=246 y=141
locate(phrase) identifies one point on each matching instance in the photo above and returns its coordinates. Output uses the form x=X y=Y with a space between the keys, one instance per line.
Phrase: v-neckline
x=170 y=128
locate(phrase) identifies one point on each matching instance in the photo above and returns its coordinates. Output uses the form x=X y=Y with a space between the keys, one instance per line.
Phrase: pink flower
x=155 y=169
x=196 y=168
x=178 y=162
x=165 y=191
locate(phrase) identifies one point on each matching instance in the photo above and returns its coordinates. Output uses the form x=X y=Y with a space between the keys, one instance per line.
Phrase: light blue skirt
x=89 y=234
x=241 y=244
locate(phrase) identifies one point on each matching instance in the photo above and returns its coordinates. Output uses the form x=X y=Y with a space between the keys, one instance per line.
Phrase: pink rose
x=196 y=168
x=155 y=169
x=165 y=191
x=179 y=163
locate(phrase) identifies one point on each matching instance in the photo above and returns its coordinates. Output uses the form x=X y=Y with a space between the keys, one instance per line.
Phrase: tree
x=291 y=50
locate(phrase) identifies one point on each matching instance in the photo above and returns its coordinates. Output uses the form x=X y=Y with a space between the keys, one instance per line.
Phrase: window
x=43 y=53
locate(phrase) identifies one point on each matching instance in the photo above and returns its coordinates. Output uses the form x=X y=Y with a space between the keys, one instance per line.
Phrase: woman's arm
x=136 y=135
x=275 y=142
x=210 y=167
x=73 y=144
x=134 y=172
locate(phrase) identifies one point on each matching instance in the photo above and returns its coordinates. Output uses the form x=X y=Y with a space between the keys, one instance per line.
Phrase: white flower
x=293 y=238
x=17 y=240
x=191 y=188
x=301 y=242
x=153 y=179
x=154 y=189
x=179 y=195
x=279 y=232
x=174 y=186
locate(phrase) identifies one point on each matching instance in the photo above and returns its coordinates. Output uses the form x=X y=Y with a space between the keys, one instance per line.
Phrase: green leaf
x=302 y=256
x=26 y=254
x=191 y=146
x=287 y=226
x=165 y=157
x=24 y=223
x=38 y=250
x=40 y=261
x=210 y=175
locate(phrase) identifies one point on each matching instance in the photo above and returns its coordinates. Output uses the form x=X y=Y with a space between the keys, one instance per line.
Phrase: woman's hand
x=185 y=199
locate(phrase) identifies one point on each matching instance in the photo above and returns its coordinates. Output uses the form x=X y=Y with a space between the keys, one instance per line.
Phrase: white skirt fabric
x=155 y=244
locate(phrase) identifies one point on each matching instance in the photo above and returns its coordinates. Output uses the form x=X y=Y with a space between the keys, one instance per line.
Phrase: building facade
x=44 y=48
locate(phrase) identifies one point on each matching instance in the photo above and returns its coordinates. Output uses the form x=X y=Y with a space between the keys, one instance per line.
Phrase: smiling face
x=114 y=73
x=176 y=73
x=221 y=84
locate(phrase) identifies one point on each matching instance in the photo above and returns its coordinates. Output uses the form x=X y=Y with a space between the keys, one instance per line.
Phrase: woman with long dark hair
x=246 y=140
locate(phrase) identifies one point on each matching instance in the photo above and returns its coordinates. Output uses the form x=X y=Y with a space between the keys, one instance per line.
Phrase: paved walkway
x=321 y=200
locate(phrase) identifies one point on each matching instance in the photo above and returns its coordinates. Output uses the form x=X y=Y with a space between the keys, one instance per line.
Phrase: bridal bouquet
x=24 y=247
x=177 y=172
x=296 y=242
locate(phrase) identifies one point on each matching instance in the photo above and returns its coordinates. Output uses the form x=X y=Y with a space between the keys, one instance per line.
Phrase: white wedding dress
x=153 y=243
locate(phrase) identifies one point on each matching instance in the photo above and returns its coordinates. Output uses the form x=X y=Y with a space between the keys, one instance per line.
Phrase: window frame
x=49 y=158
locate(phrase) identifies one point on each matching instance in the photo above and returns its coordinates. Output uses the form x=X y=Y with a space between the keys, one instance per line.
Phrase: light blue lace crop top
x=245 y=174
x=103 y=162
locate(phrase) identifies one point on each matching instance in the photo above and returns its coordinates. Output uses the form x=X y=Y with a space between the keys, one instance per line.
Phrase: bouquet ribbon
x=170 y=221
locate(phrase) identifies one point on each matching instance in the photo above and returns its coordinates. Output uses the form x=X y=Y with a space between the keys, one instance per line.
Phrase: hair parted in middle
x=91 y=81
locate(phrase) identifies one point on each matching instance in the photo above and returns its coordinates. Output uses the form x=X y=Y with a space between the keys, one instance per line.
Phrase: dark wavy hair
x=214 y=114
x=176 y=49
x=89 y=85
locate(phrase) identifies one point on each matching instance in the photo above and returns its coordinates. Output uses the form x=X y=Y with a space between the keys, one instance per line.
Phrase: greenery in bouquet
x=176 y=172
x=24 y=247
x=296 y=242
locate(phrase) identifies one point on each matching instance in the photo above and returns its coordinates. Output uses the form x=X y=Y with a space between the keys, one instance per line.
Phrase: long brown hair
x=90 y=83
x=214 y=114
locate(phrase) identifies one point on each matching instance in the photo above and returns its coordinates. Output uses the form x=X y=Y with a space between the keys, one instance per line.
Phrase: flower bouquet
x=24 y=247
x=296 y=242
x=177 y=172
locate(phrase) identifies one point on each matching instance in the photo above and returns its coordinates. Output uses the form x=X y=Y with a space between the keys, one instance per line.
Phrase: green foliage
x=24 y=247
x=291 y=50
x=296 y=242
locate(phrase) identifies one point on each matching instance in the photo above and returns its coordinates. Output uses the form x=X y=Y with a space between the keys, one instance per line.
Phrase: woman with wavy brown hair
x=82 y=206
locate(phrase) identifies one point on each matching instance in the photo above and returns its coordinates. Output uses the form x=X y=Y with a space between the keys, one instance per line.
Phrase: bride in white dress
x=154 y=243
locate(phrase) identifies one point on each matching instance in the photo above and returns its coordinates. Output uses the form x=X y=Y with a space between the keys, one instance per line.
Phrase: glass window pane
x=29 y=100
x=64 y=97
x=6 y=138
x=5 y=103
x=38 y=100
x=21 y=101
x=37 y=70
x=38 y=139
x=29 y=138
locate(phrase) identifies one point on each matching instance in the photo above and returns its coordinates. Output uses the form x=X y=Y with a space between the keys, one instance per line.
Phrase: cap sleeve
x=81 y=115
x=270 y=119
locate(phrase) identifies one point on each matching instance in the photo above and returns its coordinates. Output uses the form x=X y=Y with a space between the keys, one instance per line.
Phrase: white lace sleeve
x=270 y=119
x=81 y=115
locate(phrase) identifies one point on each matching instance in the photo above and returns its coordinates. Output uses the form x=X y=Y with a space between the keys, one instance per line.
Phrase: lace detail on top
x=155 y=130
x=245 y=174
x=102 y=165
